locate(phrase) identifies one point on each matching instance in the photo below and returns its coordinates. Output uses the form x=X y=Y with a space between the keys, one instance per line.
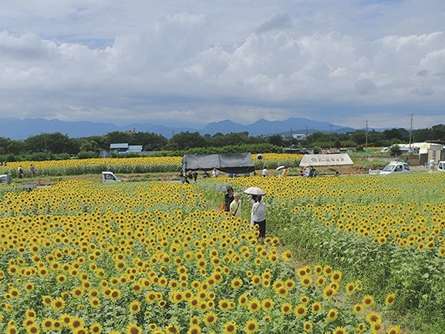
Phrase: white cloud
x=209 y=62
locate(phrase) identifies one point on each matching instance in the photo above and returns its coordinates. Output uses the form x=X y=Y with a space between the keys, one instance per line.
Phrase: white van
x=395 y=167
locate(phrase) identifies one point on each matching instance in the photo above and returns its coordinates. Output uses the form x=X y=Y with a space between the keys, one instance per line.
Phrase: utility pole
x=366 y=134
x=411 y=132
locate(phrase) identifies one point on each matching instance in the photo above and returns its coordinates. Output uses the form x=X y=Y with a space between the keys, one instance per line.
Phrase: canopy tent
x=233 y=163
x=325 y=160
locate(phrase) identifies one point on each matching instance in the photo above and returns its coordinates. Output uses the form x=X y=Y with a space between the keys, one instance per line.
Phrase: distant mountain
x=265 y=127
x=23 y=128
x=223 y=127
x=19 y=129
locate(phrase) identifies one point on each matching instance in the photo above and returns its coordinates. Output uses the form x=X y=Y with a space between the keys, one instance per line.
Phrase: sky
x=192 y=62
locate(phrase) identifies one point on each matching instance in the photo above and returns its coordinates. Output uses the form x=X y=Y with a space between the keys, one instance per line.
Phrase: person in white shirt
x=258 y=215
x=235 y=206
x=264 y=172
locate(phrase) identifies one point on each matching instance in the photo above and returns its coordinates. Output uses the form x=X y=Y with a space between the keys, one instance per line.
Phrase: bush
x=87 y=155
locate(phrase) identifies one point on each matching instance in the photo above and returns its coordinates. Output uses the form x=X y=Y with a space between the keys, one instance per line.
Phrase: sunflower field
x=82 y=257
x=96 y=165
x=129 y=165
x=387 y=231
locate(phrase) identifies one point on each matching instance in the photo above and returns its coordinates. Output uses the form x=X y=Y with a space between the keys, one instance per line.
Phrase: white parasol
x=254 y=191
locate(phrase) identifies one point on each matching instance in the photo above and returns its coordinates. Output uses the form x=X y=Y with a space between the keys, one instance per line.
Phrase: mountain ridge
x=22 y=128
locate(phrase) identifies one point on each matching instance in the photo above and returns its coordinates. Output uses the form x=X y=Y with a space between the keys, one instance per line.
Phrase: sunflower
x=300 y=310
x=236 y=283
x=251 y=326
x=95 y=328
x=254 y=305
x=373 y=318
x=368 y=301
x=134 y=307
x=58 y=304
x=286 y=308
x=172 y=329
x=393 y=330
x=194 y=329
x=357 y=308
x=210 y=318
x=47 y=324
x=267 y=304
x=308 y=326
x=390 y=299
x=133 y=329
x=316 y=307
x=230 y=327
x=332 y=315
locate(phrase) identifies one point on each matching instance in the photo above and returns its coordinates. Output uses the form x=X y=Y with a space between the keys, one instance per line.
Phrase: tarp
x=228 y=162
x=324 y=160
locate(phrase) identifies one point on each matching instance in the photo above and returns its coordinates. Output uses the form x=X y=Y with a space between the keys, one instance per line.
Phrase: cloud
x=190 y=61
x=277 y=22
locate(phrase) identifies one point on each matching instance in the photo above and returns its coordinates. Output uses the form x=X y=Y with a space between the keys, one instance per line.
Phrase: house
x=125 y=148
x=299 y=136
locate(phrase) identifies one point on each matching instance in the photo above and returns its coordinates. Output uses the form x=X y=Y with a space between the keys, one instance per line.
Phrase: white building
x=125 y=148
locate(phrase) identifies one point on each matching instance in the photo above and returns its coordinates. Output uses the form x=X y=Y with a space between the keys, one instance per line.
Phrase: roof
x=229 y=162
x=135 y=148
x=320 y=160
x=119 y=146
x=397 y=163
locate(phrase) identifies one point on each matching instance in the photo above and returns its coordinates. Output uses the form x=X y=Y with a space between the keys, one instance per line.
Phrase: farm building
x=125 y=148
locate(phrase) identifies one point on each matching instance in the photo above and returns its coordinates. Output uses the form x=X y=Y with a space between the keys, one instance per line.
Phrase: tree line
x=58 y=145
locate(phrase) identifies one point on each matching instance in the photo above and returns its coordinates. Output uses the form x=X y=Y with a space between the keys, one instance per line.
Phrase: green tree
x=395 y=151
x=184 y=140
x=276 y=140
x=52 y=143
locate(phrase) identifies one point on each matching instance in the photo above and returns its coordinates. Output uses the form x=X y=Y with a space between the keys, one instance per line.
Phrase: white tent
x=325 y=160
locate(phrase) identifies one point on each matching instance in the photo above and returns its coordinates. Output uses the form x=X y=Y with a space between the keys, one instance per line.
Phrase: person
x=33 y=170
x=258 y=215
x=285 y=172
x=214 y=172
x=264 y=172
x=312 y=172
x=195 y=176
x=189 y=175
x=228 y=198
x=235 y=206
x=20 y=172
x=183 y=177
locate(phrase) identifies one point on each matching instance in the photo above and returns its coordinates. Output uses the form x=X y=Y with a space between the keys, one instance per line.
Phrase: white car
x=441 y=166
x=109 y=177
x=395 y=167
x=5 y=178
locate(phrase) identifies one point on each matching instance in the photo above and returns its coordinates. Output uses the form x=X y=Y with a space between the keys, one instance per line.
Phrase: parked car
x=5 y=178
x=109 y=177
x=395 y=167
